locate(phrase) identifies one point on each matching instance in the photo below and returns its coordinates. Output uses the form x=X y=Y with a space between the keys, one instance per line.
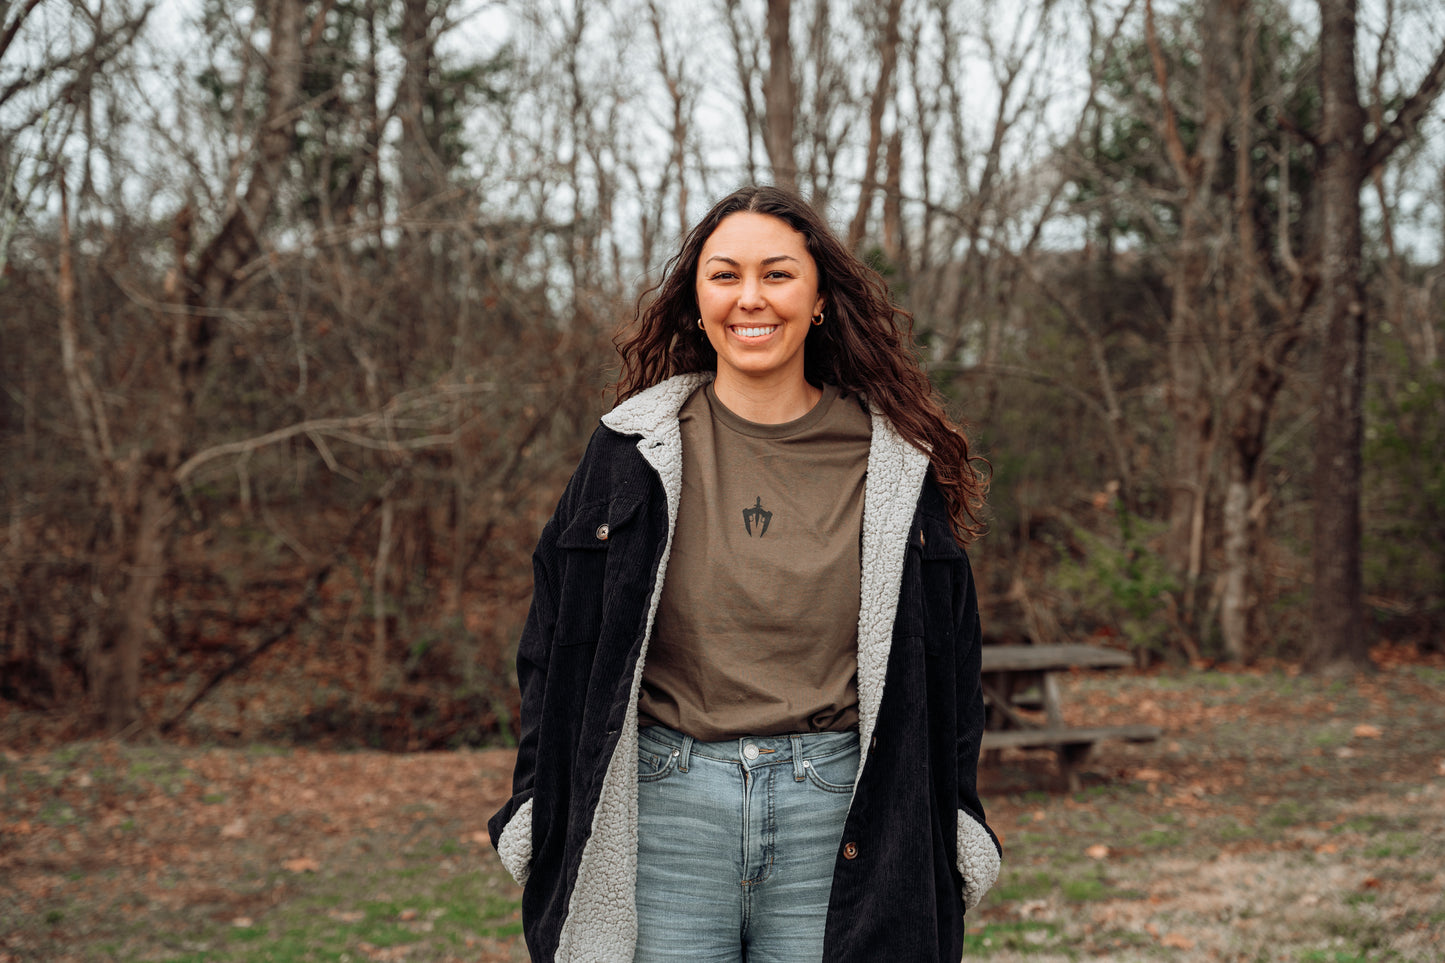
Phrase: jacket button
x=850 y=851
x=602 y=531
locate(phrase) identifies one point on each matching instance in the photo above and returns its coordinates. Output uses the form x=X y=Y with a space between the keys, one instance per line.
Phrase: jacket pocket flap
x=596 y=524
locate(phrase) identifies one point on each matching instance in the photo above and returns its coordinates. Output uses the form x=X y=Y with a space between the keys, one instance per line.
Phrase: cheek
x=710 y=307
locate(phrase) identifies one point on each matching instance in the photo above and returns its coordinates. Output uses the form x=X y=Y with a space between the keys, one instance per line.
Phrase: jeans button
x=750 y=752
x=850 y=851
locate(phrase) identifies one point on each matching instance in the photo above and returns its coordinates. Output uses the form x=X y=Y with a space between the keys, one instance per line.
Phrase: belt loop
x=797 y=740
x=686 y=753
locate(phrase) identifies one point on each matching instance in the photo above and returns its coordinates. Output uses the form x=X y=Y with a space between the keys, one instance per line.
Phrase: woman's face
x=757 y=292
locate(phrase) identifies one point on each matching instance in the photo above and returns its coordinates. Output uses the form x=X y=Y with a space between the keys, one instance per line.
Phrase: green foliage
x=1119 y=581
x=1127 y=160
x=1404 y=504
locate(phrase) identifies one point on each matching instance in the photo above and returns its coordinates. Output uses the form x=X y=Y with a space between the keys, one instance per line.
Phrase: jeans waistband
x=754 y=751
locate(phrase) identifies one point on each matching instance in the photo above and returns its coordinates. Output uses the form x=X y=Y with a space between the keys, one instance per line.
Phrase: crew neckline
x=786 y=429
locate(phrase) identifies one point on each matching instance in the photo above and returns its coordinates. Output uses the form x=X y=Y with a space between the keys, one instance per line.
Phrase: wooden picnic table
x=1017 y=678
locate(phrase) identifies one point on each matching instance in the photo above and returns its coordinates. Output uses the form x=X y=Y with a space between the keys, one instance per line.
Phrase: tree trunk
x=147 y=567
x=376 y=663
x=780 y=96
x=1339 y=622
x=417 y=162
x=1234 y=603
x=882 y=92
x=1188 y=394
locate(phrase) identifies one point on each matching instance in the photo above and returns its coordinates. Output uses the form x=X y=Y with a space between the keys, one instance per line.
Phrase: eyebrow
x=766 y=261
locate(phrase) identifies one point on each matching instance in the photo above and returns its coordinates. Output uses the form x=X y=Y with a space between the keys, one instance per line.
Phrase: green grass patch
x=1162 y=839
x=1233 y=831
x=339 y=917
x=1285 y=814
x=1020 y=886
x=1024 y=936
x=1087 y=889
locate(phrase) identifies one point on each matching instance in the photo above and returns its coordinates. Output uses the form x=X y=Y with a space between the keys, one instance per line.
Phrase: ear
x=819 y=305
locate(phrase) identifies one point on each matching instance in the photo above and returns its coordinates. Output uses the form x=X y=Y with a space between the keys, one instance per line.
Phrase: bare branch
x=1407 y=119
x=348 y=428
x=1184 y=165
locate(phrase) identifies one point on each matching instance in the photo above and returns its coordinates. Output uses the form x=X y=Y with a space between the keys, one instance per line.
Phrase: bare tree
x=1348 y=153
x=139 y=487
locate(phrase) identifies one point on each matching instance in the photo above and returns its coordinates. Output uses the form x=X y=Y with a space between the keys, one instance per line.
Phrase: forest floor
x=1281 y=817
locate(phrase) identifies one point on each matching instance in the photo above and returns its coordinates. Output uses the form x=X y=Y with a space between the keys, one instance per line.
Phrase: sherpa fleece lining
x=978 y=859
x=601 y=922
x=515 y=844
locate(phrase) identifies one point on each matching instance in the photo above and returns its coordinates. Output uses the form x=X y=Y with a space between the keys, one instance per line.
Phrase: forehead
x=748 y=235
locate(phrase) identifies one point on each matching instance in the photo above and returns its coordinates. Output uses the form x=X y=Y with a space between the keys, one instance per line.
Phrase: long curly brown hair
x=864 y=346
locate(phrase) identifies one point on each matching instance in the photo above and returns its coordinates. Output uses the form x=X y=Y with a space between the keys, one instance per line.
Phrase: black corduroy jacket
x=916 y=851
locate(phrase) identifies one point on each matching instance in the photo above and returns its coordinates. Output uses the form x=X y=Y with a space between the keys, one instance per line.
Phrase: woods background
x=307 y=308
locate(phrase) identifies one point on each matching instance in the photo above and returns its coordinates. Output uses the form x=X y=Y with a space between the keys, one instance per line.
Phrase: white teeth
x=754 y=332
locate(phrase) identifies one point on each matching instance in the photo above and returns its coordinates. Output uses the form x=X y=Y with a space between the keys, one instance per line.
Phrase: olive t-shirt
x=757 y=630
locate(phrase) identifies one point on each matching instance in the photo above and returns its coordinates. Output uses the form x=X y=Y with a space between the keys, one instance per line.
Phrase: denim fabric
x=737 y=842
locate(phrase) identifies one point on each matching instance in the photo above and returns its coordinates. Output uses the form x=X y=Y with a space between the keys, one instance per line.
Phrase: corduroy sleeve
x=979 y=853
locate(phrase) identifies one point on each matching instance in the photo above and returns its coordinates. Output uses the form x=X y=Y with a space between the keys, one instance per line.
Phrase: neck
x=766 y=404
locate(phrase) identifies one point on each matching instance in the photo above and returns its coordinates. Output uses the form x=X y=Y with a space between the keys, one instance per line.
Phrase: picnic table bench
x=1022 y=677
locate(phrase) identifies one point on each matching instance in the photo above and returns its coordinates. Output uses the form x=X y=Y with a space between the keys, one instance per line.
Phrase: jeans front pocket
x=835 y=771
x=655 y=760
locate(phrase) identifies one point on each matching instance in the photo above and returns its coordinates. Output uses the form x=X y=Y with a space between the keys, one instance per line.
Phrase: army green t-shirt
x=757 y=630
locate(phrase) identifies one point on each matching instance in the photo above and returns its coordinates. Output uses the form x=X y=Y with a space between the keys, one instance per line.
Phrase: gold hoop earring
x=699 y=325
x=817 y=319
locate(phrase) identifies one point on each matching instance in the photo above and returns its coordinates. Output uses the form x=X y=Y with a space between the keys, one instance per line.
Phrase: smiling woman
x=751 y=708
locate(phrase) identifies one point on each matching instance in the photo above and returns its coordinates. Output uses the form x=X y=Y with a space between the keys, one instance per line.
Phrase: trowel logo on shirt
x=757 y=517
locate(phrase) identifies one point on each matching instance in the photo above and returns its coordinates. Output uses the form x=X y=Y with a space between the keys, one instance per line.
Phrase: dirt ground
x=1281 y=817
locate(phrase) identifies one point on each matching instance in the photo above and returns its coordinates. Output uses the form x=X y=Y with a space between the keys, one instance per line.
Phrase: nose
x=752 y=293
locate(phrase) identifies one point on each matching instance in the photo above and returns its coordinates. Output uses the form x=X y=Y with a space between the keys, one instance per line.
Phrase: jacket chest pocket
x=930 y=573
x=594 y=550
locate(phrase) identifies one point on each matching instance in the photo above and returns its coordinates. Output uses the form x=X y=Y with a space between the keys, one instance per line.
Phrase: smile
x=755 y=332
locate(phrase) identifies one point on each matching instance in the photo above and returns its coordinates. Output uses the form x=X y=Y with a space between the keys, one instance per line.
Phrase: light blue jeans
x=736 y=844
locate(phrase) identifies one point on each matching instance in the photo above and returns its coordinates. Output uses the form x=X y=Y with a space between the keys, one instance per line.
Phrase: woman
x=751 y=709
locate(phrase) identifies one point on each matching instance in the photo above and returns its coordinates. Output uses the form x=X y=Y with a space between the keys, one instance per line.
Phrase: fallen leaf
x=243 y=922
x=346 y=916
x=1177 y=941
x=234 y=829
x=1327 y=848
x=1032 y=907
x=407 y=915
x=1366 y=731
x=301 y=864
x=1097 y=851
x=1148 y=775
x=1371 y=882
